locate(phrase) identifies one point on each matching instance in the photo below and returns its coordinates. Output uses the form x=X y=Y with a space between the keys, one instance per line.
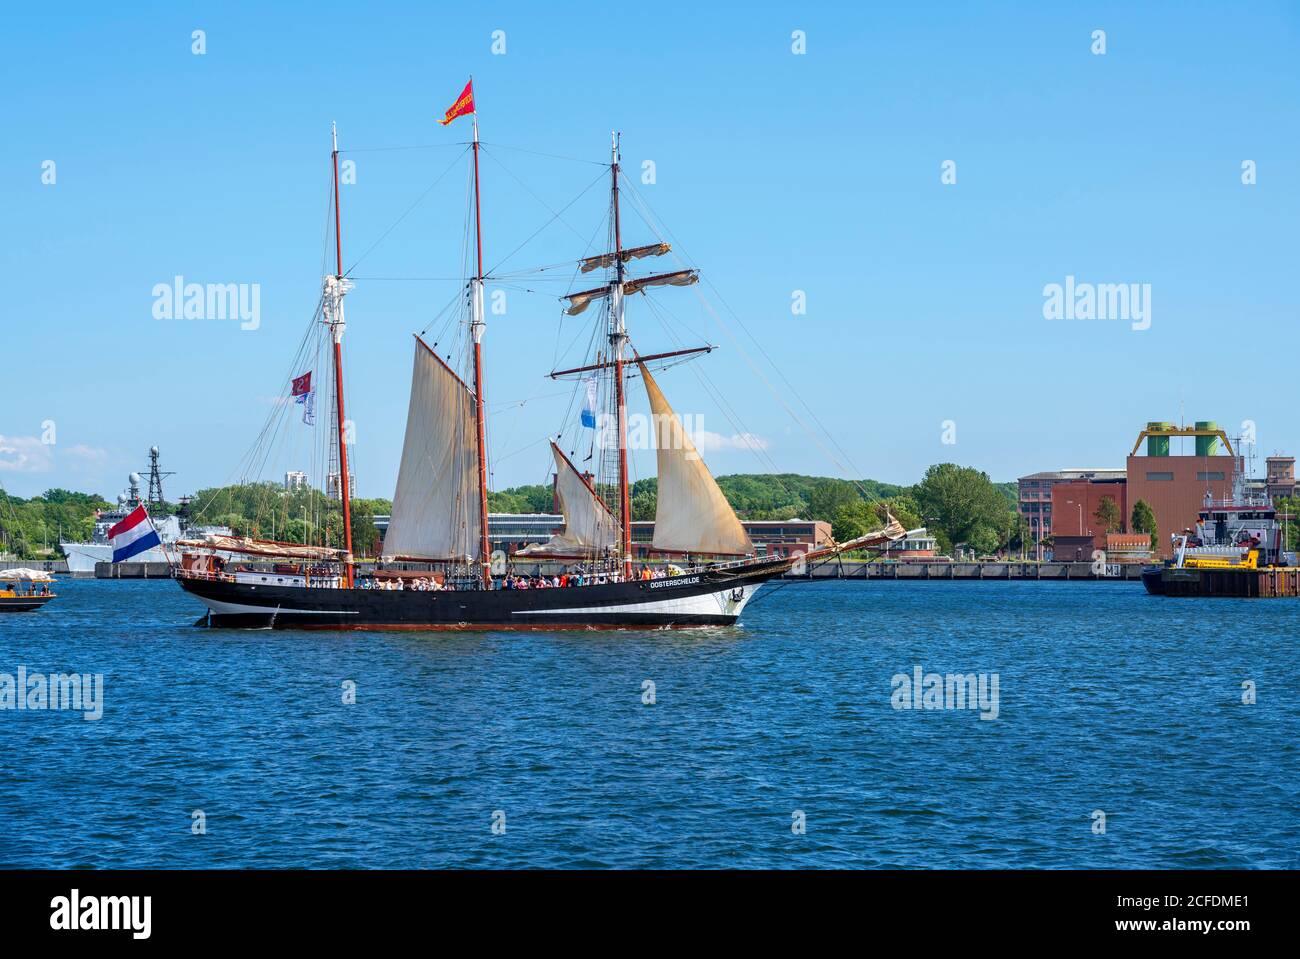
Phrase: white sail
x=436 y=508
x=590 y=529
x=692 y=515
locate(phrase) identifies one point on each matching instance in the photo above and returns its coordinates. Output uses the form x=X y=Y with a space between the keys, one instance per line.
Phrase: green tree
x=1142 y=520
x=829 y=497
x=1108 y=516
x=903 y=508
x=962 y=505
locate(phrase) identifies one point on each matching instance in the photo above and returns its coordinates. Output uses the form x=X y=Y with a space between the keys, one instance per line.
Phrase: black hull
x=1153 y=580
x=706 y=598
x=22 y=604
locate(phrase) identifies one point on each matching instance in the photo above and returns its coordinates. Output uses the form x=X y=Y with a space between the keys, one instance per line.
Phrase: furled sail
x=261 y=547
x=580 y=301
x=692 y=515
x=590 y=529
x=436 y=508
x=635 y=253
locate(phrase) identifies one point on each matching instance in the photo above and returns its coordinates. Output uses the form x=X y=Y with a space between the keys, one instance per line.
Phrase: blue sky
x=778 y=172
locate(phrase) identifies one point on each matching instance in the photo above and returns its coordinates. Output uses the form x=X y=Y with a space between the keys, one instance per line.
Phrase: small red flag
x=301 y=384
x=464 y=104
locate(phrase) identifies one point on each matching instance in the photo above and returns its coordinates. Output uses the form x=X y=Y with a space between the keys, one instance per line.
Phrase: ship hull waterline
x=704 y=598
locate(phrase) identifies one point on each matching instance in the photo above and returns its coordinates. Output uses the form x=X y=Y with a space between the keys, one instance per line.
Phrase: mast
x=335 y=288
x=478 y=325
x=617 y=337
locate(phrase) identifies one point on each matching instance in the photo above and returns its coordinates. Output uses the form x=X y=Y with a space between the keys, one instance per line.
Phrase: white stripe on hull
x=239 y=609
x=701 y=604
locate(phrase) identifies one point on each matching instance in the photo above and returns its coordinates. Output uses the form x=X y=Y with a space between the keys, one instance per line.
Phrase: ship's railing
x=182 y=573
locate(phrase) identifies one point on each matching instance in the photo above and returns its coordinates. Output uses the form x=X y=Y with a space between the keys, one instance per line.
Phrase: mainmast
x=478 y=325
x=335 y=289
x=617 y=339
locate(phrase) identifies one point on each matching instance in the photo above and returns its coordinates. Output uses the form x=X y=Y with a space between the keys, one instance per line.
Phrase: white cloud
x=87 y=455
x=707 y=441
x=25 y=454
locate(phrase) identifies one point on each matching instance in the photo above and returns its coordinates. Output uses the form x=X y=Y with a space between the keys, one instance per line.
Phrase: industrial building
x=1035 y=494
x=1061 y=507
x=1175 y=486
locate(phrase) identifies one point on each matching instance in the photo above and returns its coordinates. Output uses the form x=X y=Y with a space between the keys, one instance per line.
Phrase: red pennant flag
x=464 y=104
x=301 y=384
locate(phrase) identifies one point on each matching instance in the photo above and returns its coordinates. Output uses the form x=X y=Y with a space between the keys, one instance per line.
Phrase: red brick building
x=1074 y=510
x=1175 y=487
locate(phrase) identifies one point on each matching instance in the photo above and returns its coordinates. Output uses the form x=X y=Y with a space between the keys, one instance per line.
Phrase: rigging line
x=279 y=414
x=535 y=277
x=641 y=201
x=846 y=464
x=553 y=156
x=555 y=215
x=847 y=468
x=559 y=327
x=416 y=146
x=450 y=316
x=250 y=453
x=527 y=399
x=325 y=233
x=728 y=411
x=413 y=279
x=409 y=209
x=275 y=422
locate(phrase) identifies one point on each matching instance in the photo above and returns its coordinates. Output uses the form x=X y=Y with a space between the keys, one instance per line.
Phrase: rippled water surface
x=1108 y=700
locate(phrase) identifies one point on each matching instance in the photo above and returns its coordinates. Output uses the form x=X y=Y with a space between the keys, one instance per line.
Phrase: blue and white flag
x=308 y=403
x=133 y=535
x=589 y=408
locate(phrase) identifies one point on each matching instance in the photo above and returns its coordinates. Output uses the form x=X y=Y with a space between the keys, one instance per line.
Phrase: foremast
x=478 y=325
x=336 y=287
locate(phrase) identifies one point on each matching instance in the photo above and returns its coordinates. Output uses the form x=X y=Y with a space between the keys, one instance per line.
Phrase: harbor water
x=1115 y=729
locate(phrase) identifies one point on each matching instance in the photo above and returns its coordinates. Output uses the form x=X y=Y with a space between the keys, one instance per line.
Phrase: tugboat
x=1236 y=549
x=440 y=510
x=24 y=590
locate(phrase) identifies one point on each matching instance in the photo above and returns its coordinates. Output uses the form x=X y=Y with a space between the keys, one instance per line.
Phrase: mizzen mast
x=336 y=287
x=478 y=325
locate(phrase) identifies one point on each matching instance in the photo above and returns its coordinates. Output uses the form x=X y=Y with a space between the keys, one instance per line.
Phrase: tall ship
x=437 y=569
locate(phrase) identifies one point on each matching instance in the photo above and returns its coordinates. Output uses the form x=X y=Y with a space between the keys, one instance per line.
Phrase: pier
x=971 y=572
x=44 y=565
x=132 y=571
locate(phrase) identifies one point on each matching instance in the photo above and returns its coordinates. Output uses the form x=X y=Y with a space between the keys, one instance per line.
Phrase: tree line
x=960 y=505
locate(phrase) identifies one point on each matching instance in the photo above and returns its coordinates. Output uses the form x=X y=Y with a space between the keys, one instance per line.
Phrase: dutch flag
x=133 y=535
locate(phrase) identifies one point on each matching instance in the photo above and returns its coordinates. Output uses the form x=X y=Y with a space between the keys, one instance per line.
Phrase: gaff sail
x=580 y=301
x=590 y=529
x=436 y=504
x=692 y=515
